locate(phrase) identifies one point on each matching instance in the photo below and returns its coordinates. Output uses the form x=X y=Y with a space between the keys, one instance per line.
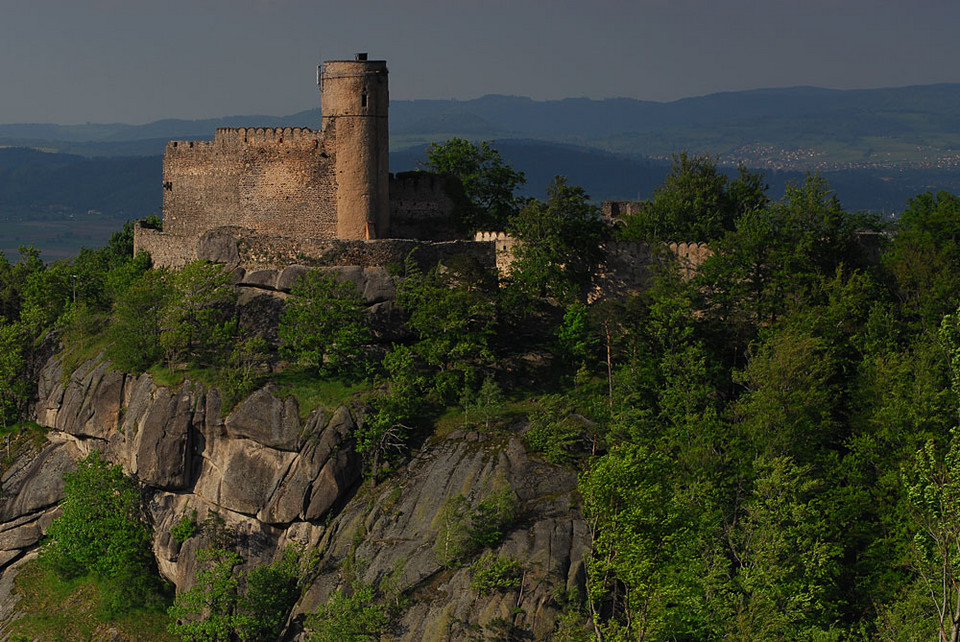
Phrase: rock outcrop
x=276 y=476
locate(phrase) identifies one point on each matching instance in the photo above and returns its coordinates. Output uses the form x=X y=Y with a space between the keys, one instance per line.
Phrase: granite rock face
x=273 y=477
x=395 y=528
x=261 y=468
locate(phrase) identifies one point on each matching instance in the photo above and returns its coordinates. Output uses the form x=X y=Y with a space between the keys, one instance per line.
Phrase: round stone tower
x=354 y=101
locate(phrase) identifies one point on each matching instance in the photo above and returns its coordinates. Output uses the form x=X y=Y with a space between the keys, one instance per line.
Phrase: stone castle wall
x=253 y=250
x=165 y=249
x=422 y=206
x=619 y=209
x=273 y=180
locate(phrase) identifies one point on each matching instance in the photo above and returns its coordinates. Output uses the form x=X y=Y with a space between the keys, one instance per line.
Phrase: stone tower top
x=355 y=88
x=355 y=101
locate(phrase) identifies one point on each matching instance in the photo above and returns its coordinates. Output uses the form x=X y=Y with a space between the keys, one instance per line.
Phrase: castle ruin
x=261 y=200
x=271 y=196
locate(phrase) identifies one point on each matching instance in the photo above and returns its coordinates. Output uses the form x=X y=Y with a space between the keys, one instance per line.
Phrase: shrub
x=186 y=528
x=492 y=574
x=464 y=530
x=322 y=326
x=349 y=617
x=100 y=533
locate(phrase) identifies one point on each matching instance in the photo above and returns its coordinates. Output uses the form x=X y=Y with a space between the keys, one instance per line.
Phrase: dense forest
x=766 y=450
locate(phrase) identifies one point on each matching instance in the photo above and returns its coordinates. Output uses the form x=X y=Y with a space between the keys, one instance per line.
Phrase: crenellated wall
x=275 y=181
x=422 y=206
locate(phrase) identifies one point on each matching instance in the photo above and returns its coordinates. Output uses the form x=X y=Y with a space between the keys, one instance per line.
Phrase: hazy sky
x=73 y=61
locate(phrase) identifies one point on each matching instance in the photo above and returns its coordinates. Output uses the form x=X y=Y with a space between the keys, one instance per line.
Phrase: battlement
x=492 y=236
x=267 y=135
x=238 y=136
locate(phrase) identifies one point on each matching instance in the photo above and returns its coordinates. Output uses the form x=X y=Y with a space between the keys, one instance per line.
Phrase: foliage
x=226 y=603
x=208 y=611
x=553 y=432
x=384 y=428
x=272 y=590
x=932 y=486
x=100 y=533
x=785 y=595
x=50 y=608
x=485 y=404
x=558 y=248
x=463 y=529
x=488 y=182
x=197 y=323
x=452 y=311
x=186 y=527
x=241 y=374
x=322 y=325
x=696 y=202
x=925 y=256
x=492 y=574
x=13 y=384
x=640 y=537
x=349 y=617
x=136 y=329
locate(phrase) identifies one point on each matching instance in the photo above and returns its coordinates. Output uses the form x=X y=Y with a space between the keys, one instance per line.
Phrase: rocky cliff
x=278 y=475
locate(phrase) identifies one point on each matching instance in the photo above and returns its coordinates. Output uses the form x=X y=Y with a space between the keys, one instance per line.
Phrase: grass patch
x=19 y=439
x=313 y=391
x=58 y=610
x=92 y=347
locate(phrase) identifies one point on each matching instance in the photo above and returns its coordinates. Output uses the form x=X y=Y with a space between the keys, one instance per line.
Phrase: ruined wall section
x=273 y=180
x=503 y=245
x=257 y=252
x=422 y=206
x=165 y=249
x=614 y=210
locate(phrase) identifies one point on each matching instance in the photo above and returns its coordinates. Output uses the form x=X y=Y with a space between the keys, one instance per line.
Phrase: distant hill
x=877 y=147
x=906 y=124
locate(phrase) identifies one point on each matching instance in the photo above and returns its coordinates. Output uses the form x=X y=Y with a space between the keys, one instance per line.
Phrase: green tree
x=790 y=405
x=452 y=311
x=932 y=486
x=198 y=323
x=696 y=202
x=101 y=533
x=384 y=428
x=137 y=322
x=925 y=256
x=488 y=182
x=14 y=387
x=559 y=246
x=209 y=612
x=226 y=603
x=322 y=325
x=272 y=590
x=640 y=540
x=787 y=562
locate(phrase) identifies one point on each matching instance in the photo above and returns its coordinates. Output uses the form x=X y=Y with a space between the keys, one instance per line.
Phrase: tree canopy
x=489 y=183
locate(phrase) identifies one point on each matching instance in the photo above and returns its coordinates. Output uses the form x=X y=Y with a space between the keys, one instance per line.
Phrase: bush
x=492 y=574
x=186 y=528
x=100 y=533
x=464 y=530
x=227 y=604
x=349 y=617
x=322 y=326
